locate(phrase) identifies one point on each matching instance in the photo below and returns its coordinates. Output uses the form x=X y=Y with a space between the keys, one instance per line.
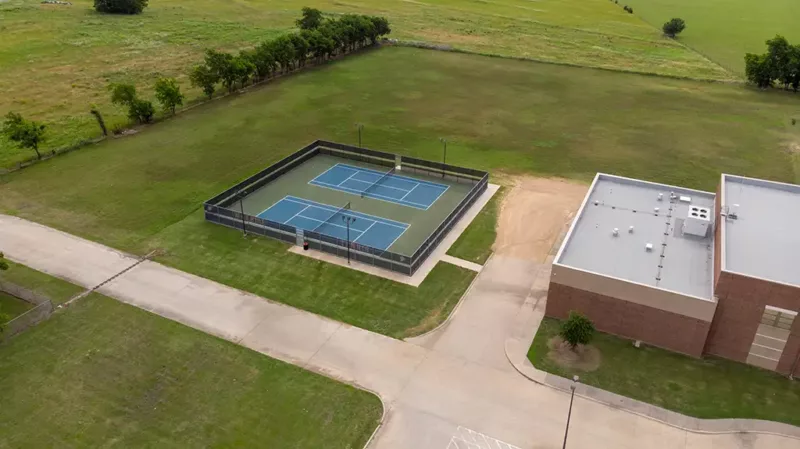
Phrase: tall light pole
x=241 y=210
x=444 y=156
x=360 y=126
x=348 y=219
x=575 y=380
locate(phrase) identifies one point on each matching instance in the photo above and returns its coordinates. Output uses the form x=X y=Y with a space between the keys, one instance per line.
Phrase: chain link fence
x=42 y=310
x=217 y=209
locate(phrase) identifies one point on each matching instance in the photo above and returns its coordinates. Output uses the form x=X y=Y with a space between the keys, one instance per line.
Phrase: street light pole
x=575 y=380
x=360 y=127
x=444 y=157
x=347 y=220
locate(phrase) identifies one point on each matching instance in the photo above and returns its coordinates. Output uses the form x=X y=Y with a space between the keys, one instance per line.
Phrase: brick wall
x=741 y=303
x=791 y=350
x=630 y=320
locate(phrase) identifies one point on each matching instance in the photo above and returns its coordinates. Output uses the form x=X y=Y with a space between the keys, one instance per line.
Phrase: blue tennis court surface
x=394 y=188
x=308 y=215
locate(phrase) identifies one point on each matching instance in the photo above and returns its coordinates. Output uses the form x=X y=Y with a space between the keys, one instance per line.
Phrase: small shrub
x=674 y=27
x=577 y=330
x=120 y=6
x=141 y=111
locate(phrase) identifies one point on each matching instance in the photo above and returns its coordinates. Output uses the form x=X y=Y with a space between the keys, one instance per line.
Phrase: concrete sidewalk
x=434 y=392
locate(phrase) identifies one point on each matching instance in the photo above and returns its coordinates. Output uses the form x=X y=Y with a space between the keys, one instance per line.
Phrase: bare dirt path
x=534 y=214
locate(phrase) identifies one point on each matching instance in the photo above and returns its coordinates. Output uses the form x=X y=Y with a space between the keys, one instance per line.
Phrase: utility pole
x=347 y=219
x=575 y=380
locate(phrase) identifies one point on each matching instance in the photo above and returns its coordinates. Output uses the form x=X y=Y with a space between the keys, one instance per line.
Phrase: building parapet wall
x=645 y=295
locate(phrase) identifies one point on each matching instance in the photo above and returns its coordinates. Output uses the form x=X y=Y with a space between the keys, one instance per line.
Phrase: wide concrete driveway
x=450 y=389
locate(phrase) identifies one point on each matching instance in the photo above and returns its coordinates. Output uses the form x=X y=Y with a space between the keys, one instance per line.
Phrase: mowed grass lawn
x=724 y=30
x=145 y=191
x=56 y=290
x=105 y=374
x=709 y=388
x=56 y=60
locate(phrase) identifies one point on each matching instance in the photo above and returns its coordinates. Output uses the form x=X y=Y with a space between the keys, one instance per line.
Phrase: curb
x=699 y=423
x=455 y=308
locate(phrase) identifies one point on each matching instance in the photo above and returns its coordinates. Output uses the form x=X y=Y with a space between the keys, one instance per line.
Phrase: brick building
x=689 y=271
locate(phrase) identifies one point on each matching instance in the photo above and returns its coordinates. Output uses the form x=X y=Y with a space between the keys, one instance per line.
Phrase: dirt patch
x=584 y=358
x=535 y=215
x=794 y=148
x=429 y=322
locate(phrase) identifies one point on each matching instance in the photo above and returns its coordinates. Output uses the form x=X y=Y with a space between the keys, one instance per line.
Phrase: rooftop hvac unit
x=698 y=221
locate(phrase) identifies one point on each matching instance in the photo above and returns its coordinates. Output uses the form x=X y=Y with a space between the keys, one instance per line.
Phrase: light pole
x=575 y=380
x=360 y=126
x=241 y=210
x=348 y=219
x=444 y=157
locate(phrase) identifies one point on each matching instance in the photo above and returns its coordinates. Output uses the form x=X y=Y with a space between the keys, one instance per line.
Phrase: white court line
x=371 y=195
x=382 y=185
x=365 y=231
x=326 y=171
x=407 y=178
x=395 y=239
x=333 y=224
x=265 y=210
x=356 y=214
x=304 y=209
x=404 y=196
x=348 y=178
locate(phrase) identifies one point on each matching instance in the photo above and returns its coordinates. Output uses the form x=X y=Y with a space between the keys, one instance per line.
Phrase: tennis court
x=325 y=219
x=385 y=186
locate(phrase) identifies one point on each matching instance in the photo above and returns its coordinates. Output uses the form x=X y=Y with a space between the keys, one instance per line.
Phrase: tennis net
x=334 y=215
x=375 y=184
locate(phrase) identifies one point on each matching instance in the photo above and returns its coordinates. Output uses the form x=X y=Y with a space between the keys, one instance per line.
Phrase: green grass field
x=56 y=60
x=724 y=30
x=105 y=374
x=57 y=290
x=13 y=307
x=475 y=244
x=145 y=191
x=707 y=388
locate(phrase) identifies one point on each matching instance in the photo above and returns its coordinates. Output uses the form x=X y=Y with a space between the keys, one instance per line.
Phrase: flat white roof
x=678 y=261
x=763 y=240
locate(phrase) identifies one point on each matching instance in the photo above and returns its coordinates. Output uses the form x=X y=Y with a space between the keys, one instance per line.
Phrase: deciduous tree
x=168 y=93
x=311 y=19
x=674 y=27
x=25 y=133
x=204 y=78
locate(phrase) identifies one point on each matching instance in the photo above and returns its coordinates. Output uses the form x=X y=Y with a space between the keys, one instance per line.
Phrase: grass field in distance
x=724 y=30
x=56 y=60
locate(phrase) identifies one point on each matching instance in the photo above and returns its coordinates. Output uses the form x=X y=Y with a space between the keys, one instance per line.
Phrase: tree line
x=779 y=65
x=319 y=39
